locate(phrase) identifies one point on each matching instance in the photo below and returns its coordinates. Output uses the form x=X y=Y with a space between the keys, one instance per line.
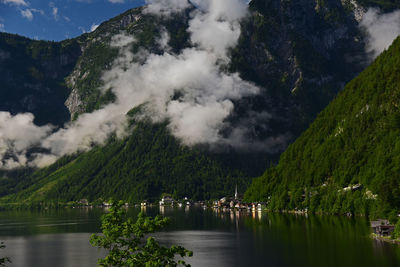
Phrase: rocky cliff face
x=98 y=55
x=300 y=52
x=83 y=95
x=32 y=77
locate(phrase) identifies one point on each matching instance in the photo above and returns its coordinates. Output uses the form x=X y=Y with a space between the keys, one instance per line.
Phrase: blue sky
x=58 y=19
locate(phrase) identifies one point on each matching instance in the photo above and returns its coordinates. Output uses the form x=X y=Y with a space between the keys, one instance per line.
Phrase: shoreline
x=386 y=239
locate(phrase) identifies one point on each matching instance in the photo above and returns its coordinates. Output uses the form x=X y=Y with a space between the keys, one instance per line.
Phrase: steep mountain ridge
x=347 y=161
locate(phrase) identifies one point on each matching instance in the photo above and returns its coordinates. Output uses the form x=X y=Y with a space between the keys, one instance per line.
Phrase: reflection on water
x=69 y=249
x=230 y=238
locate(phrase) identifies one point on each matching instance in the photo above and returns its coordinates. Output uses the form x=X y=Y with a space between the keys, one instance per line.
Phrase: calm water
x=61 y=238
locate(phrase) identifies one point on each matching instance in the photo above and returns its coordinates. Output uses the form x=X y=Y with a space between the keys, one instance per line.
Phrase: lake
x=61 y=238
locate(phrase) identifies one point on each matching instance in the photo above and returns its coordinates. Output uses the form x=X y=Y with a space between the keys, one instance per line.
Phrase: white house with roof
x=166 y=201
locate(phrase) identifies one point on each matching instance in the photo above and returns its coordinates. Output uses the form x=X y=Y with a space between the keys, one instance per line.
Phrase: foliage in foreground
x=124 y=240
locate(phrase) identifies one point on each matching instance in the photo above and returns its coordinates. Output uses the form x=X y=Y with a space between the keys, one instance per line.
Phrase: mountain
x=298 y=53
x=347 y=161
x=299 y=65
x=32 y=77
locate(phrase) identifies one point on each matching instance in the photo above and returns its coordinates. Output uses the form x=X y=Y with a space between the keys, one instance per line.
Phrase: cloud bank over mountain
x=188 y=89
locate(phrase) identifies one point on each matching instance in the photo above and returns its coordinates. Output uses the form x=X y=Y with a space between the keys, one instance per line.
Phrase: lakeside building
x=382 y=227
x=166 y=201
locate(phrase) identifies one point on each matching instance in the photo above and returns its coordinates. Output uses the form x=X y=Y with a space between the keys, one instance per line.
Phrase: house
x=216 y=204
x=166 y=201
x=261 y=206
x=83 y=202
x=253 y=207
x=356 y=187
x=382 y=227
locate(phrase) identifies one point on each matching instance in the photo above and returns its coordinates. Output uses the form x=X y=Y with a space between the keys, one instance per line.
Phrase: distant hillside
x=349 y=158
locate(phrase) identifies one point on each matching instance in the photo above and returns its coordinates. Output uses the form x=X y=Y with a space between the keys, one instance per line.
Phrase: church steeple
x=236 y=195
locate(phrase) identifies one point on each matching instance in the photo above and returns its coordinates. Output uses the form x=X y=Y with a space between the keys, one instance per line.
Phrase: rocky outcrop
x=358 y=10
x=74 y=104
x=302 y=53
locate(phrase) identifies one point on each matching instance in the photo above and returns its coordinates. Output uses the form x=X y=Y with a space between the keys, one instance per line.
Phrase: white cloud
x=41 y=12
x=67 y=19
x=93 y=27
x=82 y=29
x=166 y=7
x=117 y=1
x=381 y=30
x=27 y=13
x=2 y=28
x=15 y=2
x=17 y=135
x=218 y=27
x=55 y=13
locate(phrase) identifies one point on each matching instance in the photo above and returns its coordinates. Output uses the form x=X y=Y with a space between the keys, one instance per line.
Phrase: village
x=227 y=203
x=223 y=204
x=381 y=229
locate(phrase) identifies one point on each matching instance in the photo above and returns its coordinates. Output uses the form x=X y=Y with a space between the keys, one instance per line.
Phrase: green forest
x=348 y=160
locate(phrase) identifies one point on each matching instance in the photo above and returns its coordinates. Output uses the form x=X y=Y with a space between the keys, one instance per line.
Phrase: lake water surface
x=61 y=238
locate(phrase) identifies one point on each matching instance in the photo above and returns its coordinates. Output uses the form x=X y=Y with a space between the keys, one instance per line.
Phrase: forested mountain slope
x=142 y=166
x=348 y=160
